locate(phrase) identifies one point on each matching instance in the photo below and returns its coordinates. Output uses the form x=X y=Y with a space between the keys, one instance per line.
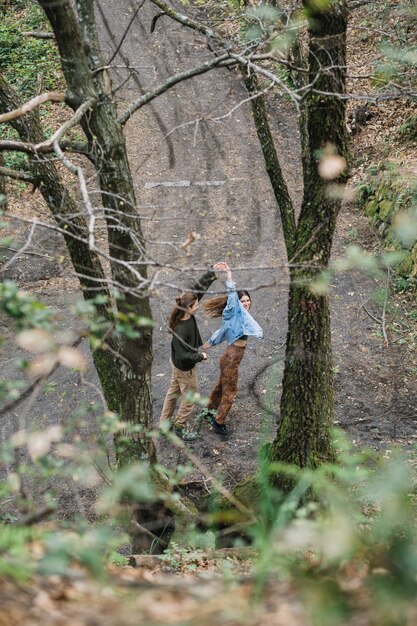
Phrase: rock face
x=388 y=198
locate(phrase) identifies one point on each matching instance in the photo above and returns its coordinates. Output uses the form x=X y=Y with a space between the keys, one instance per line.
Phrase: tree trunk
x=303 y=438
x=123 y=362
x=127 y=381
x=304 y=434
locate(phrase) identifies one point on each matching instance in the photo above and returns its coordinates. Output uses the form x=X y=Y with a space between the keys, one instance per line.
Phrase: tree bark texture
x=304 y=434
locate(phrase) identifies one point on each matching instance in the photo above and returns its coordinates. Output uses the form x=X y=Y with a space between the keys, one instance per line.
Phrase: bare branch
x=76 y=169
x=33 y=387
x=247 y=62
x=355 y=4
x=10 y=145
x=378 y=97
x=35 y=516
x=18 y=175
x=21 y=250
x=186 y=21
x=370 y=314
x=220 y=61
x=18 y=146
x=65 y=127
x=51 y=96
x=179 y=443
x=38 y=34
x=258 y=94
x=132 y=19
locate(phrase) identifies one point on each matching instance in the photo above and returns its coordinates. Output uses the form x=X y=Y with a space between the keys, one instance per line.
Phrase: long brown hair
x=182 y=303
x=215 y=306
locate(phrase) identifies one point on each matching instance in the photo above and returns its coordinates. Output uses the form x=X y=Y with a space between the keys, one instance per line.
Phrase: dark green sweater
x=186 y=337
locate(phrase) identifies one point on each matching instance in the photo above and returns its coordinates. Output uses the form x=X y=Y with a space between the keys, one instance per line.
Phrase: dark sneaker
x=219 y=428
x=184 y=434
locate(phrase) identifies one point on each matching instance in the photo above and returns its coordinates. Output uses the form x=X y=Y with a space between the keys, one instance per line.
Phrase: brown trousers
x=223 y=394
x=181 y=383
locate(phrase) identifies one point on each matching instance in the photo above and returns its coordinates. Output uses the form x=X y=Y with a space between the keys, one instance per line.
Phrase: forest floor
x=197 y=165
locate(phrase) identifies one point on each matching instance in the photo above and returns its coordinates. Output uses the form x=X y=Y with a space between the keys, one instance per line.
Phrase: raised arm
x=203 y=283
x=223 y=267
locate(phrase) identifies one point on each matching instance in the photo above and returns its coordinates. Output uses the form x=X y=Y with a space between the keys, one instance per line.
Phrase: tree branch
x=222 y=61
x=186 y=21
x=84 y=191
x=35 y=516
x=38 y=34
x=132 y=19
x=82 y=110
x=10 y=145
x=20 y=251
x=51 y=96
x=18 y=146
x=35 y=385
x=355 y=4
x=18 y=175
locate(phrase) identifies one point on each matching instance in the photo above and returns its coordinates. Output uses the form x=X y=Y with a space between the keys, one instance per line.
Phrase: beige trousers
x=181 y=382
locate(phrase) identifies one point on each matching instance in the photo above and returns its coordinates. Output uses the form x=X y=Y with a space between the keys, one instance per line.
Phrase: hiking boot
x=219 y=428
x=184 y=434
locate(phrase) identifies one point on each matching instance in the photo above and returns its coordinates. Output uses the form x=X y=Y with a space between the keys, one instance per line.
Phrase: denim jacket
x=237 y=321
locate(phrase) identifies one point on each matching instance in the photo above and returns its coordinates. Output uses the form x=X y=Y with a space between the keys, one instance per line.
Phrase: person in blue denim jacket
x=237 y=325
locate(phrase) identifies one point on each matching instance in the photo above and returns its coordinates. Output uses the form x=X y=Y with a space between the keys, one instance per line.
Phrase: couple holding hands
x=187 y=349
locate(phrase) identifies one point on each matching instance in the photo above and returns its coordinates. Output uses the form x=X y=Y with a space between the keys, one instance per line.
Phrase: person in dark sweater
x=185 y=354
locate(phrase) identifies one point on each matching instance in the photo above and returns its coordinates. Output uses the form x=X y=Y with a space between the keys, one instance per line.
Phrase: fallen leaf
x=191 y=237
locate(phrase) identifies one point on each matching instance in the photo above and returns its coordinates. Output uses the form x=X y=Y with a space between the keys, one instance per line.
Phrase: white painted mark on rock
x=185 y=183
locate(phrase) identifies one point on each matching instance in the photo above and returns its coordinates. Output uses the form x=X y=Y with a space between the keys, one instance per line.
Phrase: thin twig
x=35 y=516
x=384 y=306
x=21 y=250
x=126 y=32
x=371 y=316
x=219 y=61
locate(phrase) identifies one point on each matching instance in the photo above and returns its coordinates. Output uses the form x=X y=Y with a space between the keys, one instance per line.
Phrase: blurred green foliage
x=345 y=528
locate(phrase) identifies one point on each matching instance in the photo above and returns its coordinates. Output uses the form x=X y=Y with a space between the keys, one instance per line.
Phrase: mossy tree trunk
x=124 y=362
x=126 y=373
x=304 y=434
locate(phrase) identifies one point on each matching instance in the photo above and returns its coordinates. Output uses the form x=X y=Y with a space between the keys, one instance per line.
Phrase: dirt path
x=195 y=172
